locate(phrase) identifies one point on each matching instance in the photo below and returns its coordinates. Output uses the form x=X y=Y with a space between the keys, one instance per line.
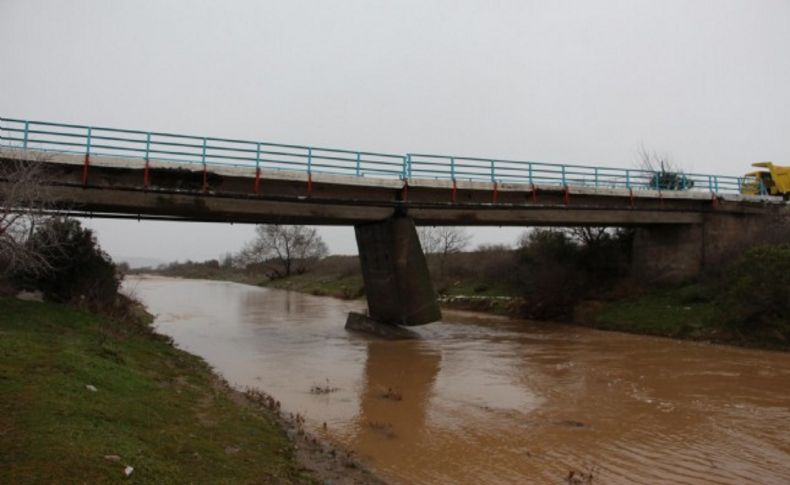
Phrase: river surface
x=482 y=399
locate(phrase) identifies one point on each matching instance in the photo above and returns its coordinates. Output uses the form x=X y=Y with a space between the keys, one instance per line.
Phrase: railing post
x=596 y=177
x=452 y=168
x=493 y=171
x=27 y=128
x=87 y=159
x=146 y=172
x=309 y=160
x=359 y=165
x=710 y=183
x=257 y=184
x=716 y=182
x=657 y=175
x=205 y=167
x=408 y=162
x=147 y=145
x=529 y=172
x=564 y=184
x=404 y=168
x=627 y=179
x=88 y=142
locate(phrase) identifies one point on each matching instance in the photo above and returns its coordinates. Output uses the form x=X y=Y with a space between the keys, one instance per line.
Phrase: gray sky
x=707 y=82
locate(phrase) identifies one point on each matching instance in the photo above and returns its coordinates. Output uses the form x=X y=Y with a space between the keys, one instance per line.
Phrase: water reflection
x=399 y=379
x=488 y=400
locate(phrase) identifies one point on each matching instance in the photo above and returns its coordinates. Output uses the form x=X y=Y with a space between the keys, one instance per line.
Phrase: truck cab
x=775 y=180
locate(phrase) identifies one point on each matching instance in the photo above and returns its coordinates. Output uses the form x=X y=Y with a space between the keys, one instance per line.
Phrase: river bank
x=685 y=312
x=85 y=398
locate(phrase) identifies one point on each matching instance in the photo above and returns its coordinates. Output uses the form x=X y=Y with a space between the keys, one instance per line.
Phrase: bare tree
x=226 y=261
x=442 y=241
x=590 y=236
x=25 y=203
x=428 y=239
x=654 y=161
x=664 y=174
x=284 y=250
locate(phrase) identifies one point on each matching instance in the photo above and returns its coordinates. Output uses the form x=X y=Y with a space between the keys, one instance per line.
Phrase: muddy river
x=482 y=399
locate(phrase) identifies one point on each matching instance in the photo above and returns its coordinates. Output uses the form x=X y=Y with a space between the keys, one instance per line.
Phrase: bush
x=77 y=270
x=607 y=259
x=557 y=268
x=548 y=274
x=755 y=290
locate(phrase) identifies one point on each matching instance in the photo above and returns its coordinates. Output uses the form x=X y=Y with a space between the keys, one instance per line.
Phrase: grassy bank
x=154 y=408
x=687 y=312
x=347 y=287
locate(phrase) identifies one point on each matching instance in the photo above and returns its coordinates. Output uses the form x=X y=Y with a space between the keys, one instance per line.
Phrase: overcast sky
x=707 y=82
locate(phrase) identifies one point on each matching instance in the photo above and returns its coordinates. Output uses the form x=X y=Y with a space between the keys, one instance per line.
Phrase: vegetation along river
x=481 y=399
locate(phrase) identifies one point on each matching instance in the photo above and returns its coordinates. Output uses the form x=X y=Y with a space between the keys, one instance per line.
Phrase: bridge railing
x=157 y=146
x=170 y=147
x=563 y=175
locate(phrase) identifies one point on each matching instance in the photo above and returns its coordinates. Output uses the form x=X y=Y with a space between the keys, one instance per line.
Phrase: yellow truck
x=773 y=181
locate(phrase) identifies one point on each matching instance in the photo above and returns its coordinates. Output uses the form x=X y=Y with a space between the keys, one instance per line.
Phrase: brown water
x=490 y=400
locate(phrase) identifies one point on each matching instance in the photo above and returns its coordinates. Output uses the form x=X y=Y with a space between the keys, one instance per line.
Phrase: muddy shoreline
x=323 y=460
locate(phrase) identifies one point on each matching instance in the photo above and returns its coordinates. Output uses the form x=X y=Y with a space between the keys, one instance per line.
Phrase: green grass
x=689 y=312
x=471 y=288
x=348 y=287
x=679 y=312
x=221 y=274
x=160 y=409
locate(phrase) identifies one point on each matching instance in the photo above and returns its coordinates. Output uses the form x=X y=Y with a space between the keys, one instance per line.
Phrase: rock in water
x=364 y=324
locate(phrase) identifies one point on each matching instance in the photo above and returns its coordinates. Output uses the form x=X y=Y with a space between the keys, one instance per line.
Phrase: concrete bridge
x=691 y=222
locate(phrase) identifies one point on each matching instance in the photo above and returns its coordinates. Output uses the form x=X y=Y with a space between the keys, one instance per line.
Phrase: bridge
x=684 y=221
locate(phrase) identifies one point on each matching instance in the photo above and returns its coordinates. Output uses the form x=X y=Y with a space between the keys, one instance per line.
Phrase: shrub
x=548 y=274
x=77 y=270
x=607 y=259
x=755 y=290
x=557 y=268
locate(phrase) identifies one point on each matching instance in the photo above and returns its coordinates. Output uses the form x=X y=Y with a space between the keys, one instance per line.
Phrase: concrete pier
x=397 y=283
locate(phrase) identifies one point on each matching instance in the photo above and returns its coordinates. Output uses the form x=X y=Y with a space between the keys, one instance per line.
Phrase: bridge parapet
x=165 y=189
x=145 y=146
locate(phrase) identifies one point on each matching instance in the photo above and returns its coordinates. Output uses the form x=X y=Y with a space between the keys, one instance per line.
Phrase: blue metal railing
x=204 y=151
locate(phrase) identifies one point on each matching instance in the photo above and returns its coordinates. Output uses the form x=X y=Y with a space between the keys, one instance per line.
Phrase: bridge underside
x=678 y=232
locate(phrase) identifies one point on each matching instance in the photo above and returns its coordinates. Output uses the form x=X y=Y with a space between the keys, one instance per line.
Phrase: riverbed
x=484 y=399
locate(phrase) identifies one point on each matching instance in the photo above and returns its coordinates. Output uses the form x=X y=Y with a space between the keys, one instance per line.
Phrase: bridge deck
x=162 y=189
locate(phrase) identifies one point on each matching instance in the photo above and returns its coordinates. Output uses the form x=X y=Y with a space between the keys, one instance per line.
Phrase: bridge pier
x=673 y=253
x=395 y=272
